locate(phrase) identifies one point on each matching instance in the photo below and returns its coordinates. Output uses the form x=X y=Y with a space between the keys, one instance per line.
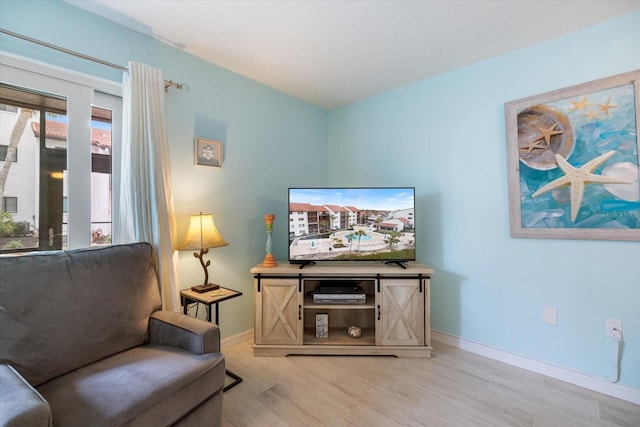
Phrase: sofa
x=83 y=342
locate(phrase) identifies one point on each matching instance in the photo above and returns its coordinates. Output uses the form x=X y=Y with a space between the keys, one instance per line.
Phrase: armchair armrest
x=21 y=404
x=181 y=331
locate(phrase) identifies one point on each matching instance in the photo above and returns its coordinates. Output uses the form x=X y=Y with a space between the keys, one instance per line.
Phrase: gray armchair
x=83 y=342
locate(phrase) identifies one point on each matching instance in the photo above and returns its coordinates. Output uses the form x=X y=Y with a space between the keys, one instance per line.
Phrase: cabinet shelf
x=339 y=336
x=368 y=305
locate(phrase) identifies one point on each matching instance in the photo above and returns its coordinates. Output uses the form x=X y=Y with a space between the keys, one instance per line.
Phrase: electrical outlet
x=613 y=324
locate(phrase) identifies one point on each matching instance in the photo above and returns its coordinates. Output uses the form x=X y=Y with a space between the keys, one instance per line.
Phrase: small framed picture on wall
x=208 y=152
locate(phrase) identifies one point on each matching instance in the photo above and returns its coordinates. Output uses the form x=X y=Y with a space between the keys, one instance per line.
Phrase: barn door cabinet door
x=401 y=312
x=278 y=318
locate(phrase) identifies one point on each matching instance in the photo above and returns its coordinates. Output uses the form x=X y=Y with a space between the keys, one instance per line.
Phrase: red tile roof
x=56 y=130
x=387 y=224
x=101 y=138
x=305 y=207
x=336 y=208
x=299 y=207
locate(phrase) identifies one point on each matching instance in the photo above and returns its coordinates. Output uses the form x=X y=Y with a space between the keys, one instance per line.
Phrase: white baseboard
x=237 y=338
x=591 y=382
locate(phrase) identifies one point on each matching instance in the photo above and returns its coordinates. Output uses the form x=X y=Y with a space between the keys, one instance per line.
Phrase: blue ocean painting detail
x=579 y=162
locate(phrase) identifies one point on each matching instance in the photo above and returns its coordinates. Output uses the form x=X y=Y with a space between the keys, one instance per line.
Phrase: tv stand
x=400 y=264
x=303 y=264
x=393 y=318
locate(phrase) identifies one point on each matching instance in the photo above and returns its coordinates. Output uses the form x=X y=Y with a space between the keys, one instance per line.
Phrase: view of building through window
x=33 y=172
x=101 y=176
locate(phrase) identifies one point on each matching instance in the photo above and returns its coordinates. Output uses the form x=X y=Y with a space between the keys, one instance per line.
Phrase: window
x=8 y=108
x=4 y=149
x=10 y=204
x=40 y=129
x=65 y=134
x=101 y=232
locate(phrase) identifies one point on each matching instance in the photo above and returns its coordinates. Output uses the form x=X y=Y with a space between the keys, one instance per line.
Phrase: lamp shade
x=202 y=234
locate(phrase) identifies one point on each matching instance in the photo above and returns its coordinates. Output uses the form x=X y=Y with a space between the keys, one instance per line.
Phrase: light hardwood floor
x=453 y=388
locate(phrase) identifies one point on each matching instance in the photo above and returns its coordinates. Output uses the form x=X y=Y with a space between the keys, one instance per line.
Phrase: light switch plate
x=550 y=315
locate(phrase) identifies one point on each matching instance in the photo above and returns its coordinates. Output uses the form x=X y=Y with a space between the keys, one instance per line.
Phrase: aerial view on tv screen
x=352 y=224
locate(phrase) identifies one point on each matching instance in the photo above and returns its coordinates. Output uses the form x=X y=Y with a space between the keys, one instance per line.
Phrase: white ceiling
x=332 y=53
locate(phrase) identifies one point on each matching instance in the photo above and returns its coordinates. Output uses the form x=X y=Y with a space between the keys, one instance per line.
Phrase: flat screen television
x=352 y=224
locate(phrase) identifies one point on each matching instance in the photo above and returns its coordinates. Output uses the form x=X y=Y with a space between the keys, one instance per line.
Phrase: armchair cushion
x=80 y=305
x=146 y=386
x=21 y=404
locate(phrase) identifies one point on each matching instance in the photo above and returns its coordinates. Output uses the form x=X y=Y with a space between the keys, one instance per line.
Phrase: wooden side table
x=209 y=298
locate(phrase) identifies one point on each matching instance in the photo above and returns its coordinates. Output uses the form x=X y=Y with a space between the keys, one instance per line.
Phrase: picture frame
x=208 y=152
x=572 y=159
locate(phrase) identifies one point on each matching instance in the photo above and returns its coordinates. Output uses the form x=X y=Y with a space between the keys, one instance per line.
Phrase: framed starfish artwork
x=572 y=158
x=208 y=152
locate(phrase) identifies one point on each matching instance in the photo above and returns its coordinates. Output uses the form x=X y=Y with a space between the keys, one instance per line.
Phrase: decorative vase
x=269 y=259
x=354 y=332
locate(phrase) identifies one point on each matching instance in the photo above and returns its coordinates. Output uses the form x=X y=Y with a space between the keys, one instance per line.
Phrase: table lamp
x=203 y=235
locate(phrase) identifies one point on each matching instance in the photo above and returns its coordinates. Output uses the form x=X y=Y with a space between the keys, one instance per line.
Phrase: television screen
x=352 y=224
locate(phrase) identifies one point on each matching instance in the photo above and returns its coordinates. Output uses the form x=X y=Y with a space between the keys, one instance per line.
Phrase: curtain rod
x=167 y=83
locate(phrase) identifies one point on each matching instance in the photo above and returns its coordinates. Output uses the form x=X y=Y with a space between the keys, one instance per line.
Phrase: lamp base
x=205 y=288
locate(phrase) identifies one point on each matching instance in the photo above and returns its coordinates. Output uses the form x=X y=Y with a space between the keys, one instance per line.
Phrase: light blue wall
x=446 y=136
x=271 y=140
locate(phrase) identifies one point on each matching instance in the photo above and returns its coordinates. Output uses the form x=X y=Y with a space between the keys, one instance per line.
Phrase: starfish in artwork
x=577 y=178
x=607 y=106
x=580 y=105
x=533 y=145
x=547 y=133
x=592 y=115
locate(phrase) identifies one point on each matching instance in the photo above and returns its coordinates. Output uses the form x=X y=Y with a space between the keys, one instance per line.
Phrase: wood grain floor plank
x=453 y=388
x=618 y=411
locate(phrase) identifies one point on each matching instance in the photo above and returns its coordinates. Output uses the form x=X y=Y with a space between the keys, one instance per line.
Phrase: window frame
x=3 y=153
x=4 y=204
x=82 y=92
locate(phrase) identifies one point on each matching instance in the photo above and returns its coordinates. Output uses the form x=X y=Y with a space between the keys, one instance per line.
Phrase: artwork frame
x=208 y=152
x=572 y=161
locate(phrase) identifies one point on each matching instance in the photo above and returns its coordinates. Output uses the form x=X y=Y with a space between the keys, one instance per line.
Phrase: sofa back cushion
x=65 y=309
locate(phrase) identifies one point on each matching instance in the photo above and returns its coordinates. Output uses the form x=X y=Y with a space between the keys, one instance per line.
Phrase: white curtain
x=146 y=203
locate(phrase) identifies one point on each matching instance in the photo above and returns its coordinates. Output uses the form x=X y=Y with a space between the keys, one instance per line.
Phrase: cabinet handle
x=378 y=311
x=299 y=312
